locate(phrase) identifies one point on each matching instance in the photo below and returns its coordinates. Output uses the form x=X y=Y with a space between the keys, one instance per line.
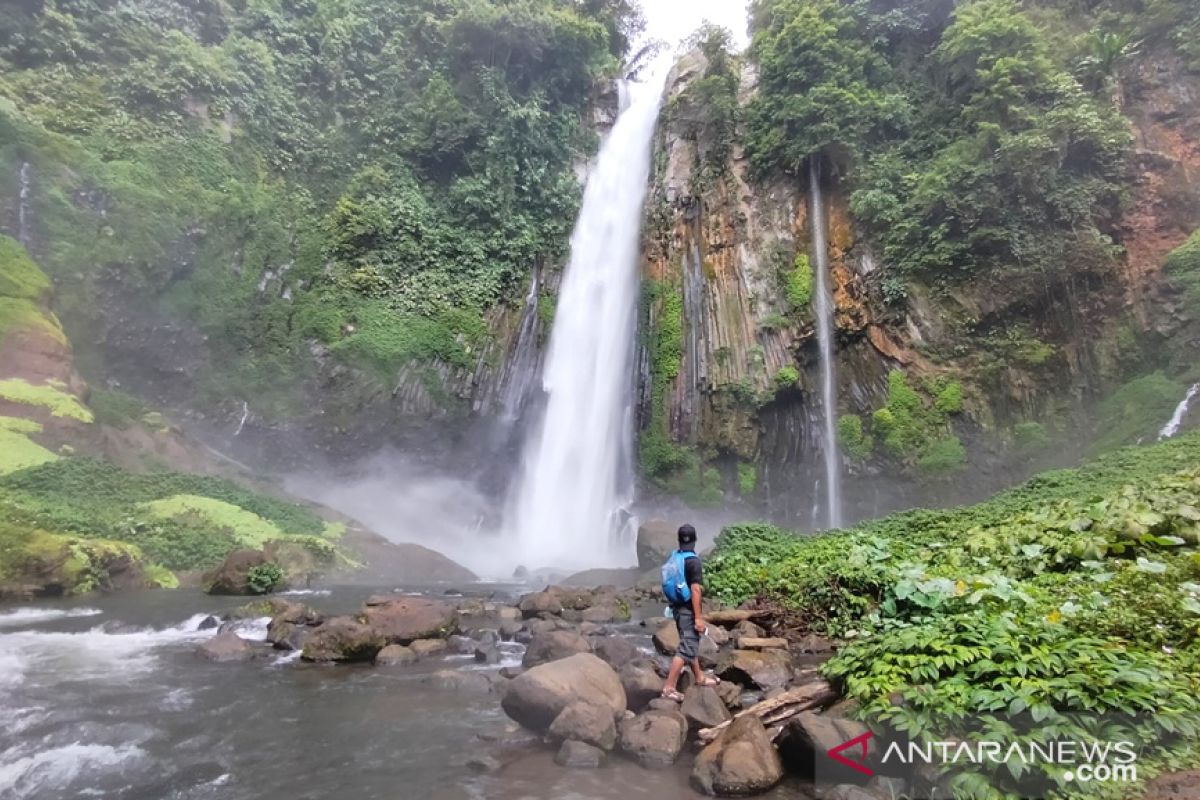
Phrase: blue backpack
x=674 y=578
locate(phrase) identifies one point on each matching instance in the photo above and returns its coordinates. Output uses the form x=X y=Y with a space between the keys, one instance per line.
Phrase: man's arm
x=697 y=591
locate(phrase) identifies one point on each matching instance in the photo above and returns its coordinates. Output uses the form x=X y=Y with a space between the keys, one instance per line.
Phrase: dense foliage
x=288 y=171
x=1077 y=593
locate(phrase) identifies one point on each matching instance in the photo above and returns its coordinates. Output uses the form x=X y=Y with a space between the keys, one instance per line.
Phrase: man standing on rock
x=685 y=599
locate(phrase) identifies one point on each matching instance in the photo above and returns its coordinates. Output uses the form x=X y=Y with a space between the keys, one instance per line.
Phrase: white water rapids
x=1181 y=410
x=569 y=507
x=824 y=308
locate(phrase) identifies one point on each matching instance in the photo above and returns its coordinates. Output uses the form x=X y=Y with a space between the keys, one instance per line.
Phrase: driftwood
x=776 y=711
x=759 y=643
x=733 y=616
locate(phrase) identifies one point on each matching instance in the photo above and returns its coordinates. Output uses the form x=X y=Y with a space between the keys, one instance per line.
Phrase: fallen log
x=775 y=711
x=760 y=643
x=732 y=616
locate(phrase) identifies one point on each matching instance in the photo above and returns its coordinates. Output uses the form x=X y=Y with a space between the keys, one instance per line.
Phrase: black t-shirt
x=693 y=571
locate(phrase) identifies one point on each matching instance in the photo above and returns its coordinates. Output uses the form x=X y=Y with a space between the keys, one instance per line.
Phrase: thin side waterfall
x=521 y=369
x=1181 y=410
x=570 y=502
x=23 y=198
x=824 y=304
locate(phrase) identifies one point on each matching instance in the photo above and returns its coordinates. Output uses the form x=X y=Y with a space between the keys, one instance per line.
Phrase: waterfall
x=570 y=502
x=1172 y=426
x=824 y=304
x=23 y=235
x=521 y=369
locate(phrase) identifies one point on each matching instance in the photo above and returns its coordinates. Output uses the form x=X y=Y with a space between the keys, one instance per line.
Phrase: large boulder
x=703 y=707
x=537 y=604
x=641 y=682
x=404 y=620
x=552 y=646
x=809 y=736
x=742 y=761
x=654 y=738
x=232 y=576
x=617 y=651
x=656 y=540
x=756 y=669
x=666 y=638
x=395 y=655
x=226 y=646
x=578 y=755
x=586 y=723
x=343 y=639
x=538 y=695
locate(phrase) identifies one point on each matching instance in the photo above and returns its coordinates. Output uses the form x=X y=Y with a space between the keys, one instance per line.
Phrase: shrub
x=747 y=479
x=799 y=284
x=787 y=377
x=854 y=441
x=1030 y=437
x=942 y=456
x=265 y=578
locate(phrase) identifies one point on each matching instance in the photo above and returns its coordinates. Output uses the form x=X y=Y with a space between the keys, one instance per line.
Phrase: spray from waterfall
x=1181 y=410
x=23 y=199
x=824 y=307
x=570 y=503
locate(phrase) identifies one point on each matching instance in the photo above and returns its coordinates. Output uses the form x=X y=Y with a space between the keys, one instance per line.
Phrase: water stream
x=23 y=216
x=520 y=370
x=1181 y=410
x=570 y=503
x=824 y=308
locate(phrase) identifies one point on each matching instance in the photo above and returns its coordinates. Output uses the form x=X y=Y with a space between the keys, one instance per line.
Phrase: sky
x=675 y=20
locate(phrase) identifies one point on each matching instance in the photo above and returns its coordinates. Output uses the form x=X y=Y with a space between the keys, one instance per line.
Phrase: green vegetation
x=853 y=439
x=660 y=457
x=58 y=402
x=1030 y=437
x=949 y=398
x=1076 y=593
x=71 y=564
x=747 y=479
x=787 y=377
x=17 y=451
x=20 y=278
x=266 y=578
x=116 y=409
x=798 y=284
x=250 y=530
x=942 y=456
x=1183 y=267
x=267 y=171
x=913 y=431
x=706 y=112
x=1136 y=411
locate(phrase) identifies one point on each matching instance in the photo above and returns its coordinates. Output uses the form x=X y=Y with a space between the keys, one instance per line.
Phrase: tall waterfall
x=1172 y=426
x=820 y=247
x=570 y=503
x=23 y=223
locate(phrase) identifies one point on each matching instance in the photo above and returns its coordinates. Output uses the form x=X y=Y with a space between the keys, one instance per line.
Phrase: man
x=689 y=619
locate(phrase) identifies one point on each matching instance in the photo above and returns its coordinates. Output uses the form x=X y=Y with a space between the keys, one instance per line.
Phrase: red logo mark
x=859 y=741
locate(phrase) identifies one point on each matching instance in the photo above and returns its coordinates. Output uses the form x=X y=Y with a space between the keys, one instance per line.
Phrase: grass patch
x=58 y=402
x=249 y=529
x=18 y=452
x=19 y=277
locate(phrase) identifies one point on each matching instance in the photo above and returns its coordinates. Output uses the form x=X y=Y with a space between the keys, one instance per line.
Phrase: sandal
x=710 y=680
x=672 y=695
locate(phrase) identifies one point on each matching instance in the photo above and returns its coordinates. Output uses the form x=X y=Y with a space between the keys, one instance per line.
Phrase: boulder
x=730 y=694
x=756 y=643
x=539 y=694
x=461 y=645
x=403 y=620
x=641 y=683
x=741 y=761
x=814 y=643
x=756 y=669
x=615 y=650
x=748 y=629
x=481 y=762
x=720 y=636
x=208 y=623
x=703 y=708
x=424 y=648
x=487 y=654
x=578 y=755
x=666 y=638
x=538 y=603
x=653 y=738
x=809 y=736
x=508 y=613
x=343 y=639
x=656 y=540
x=552 y=646
x=232 y=576
x=287 y=635
x=454 y=680
x=509 y=630
x=395 y=655
x=227 y=646
x=661 y=703
x=732 y=616
x=603 y=613
x=585 y=723
x=579 y=599
x=297 y=614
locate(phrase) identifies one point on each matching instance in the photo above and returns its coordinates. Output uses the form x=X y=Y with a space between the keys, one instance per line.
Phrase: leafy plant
x=265 y=578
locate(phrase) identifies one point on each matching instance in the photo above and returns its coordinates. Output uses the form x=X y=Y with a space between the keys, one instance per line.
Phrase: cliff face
x=992 y=371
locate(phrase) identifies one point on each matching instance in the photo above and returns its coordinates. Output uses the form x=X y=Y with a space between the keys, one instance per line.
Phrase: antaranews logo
x=862 y=744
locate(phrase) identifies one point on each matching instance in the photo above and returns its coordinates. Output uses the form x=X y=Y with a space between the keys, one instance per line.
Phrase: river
x=105 y=697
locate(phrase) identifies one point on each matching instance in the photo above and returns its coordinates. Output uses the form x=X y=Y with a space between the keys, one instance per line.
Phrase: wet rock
x=552 y=646
x=453 y=680
x=538 y=626
x=720 y=637
x=538 y=695
x=641 y=683
x=395 y=655
x=578 y=755
x=208 y=623
x=482 y=763
x=756 y=669
x=703 y=708
x=407 y=619
x=297 y=614
x=579 y=599
x=257 y=609
x=656 y=540
x=730 y=694
x=523 y=636
x=742 y=761
x=603 y=613
x=537 y=603
x=510 y=672
x=460 y=645
x=488 y=636
x=653 y=738
x=510 y=629
x=585 y=723
x=615 y=650
x=343 y=639
x=883 y=786
x=424 y=648
x=227 y=646
x=287 y=635
x=508 y=613
x=487 y=654
x=661 y=703
x=232 y=575
x=748 y=629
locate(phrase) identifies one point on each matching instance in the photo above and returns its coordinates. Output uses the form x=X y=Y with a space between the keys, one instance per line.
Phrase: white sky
x=675 y=20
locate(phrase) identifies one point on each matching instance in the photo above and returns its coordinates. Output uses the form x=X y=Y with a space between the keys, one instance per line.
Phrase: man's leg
x=673 y=674
x=697 y=672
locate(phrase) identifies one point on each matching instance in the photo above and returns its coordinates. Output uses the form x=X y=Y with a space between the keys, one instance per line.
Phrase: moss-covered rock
x=35 y=562
x=20 y=277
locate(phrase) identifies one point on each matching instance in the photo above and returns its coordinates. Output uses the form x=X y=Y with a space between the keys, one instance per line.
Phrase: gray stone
x=585 y=723
x=741 y=761
x=642 y=684
x=538 y=695
x=703 y=708
x=395 y=655
x=653 y=738
x=552 y=646
x=227 y=646
x=578 y=755
x=428 y=647
x=761 y=669
x=615 y=650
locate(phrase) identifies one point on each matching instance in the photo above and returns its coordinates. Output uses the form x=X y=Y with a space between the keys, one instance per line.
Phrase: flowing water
x=23 y=216
x=824 y=308
x=1181 y=410
x=106 y=698
x=571 y=500
x=520 y=369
